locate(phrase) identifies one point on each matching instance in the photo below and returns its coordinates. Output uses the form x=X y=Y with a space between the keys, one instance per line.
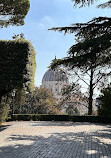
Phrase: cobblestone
x=55 y=140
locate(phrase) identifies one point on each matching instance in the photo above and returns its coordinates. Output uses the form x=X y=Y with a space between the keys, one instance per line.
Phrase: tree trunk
x=90 y=93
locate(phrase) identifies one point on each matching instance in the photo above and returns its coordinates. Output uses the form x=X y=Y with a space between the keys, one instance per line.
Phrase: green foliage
x=41 y=117
x=18 y=36
x=72 y=98
x=44 y=101
x=4 y=108
x=17 y=71
x=20 y=96
x=88 y=54
x=90 y=57
x=105 y=102
x=41 y=101
x=92 y=119
x=17 y=66
x=71 y=110
x=13 y=12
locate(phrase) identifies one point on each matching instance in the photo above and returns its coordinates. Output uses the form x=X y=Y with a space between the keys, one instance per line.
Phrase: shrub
x=41 y=117
x=46 y=117
x=4 y=108
x=105 y=102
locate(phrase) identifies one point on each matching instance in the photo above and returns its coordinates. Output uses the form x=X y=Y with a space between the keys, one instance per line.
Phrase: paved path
x=55 y=140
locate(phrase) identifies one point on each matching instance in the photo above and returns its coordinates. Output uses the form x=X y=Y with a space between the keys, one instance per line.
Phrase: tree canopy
x=92 y=48
x=83 y=3
x=13 y=12
x=41 y=101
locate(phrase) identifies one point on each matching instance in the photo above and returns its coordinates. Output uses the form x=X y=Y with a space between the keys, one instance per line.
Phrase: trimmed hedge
x=17 y=68
x=45 y=117
x=17 y=65
x=93 y=119
x=41 y=117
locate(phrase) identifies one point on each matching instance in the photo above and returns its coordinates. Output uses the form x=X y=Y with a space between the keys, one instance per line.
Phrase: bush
x=105 y=102
x=4 y=108
x=71 y=110
x=41 y=117
x=45 y=117
x=41 y=101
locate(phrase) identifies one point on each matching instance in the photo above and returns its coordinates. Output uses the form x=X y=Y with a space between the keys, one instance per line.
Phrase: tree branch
x=81 y=78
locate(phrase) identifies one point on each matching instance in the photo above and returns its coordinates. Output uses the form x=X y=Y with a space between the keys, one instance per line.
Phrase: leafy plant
x=105 y=101
x=4 y=108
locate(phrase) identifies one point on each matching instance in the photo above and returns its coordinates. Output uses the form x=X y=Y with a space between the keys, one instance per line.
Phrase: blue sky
x=45 y=14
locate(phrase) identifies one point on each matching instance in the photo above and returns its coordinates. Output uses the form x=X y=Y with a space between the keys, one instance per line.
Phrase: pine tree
x=13 y=12
x=92 y=51
x=83 y=3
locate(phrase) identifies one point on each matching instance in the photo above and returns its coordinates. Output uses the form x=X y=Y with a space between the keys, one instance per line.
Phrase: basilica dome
x=55 y=75
x=55 y=80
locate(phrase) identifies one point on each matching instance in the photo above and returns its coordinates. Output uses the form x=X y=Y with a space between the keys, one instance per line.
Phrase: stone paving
x=55 y=140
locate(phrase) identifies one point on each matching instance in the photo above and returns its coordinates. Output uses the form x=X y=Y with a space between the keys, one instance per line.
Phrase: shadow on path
x=59 y=123
x=3 y=127
x=60 y=145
